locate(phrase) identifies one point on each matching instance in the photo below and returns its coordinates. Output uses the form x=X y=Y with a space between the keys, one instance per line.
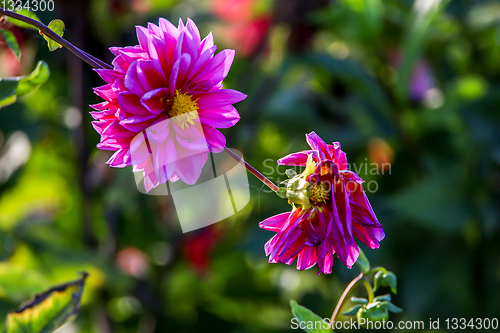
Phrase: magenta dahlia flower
x=163 y=101
x=330 y=209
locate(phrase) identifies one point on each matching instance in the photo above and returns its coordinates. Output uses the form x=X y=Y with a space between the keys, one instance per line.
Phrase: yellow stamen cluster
x=319 y=193
x=183 y=110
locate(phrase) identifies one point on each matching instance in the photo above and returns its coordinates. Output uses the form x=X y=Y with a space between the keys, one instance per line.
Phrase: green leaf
x=359 y=300
x=385 y=280
x=22 y=24
x=11 y=42
x=58 y=27
x=386 y=297
x=352 y=311
x=308 y=318
x=32 y=81
x=47 y=311
x=363 y=262
x=390 y=307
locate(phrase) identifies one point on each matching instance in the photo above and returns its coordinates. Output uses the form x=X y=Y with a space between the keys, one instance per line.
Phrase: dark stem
x=91 y=60
x=253 y=171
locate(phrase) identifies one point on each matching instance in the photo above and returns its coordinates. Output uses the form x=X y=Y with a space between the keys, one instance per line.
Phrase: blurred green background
x=412 y=83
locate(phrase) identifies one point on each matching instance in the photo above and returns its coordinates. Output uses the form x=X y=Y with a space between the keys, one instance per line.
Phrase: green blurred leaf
x=11 y=42
x=356 y=77
x=425 y=11
x=471 y=87
x=8 y=87
x=352 y=311
x=376 y=280
x=58 y=27
x=18 y=283
x=11 y=87
x=47 y=311
x=8 y=101
x=32 y=81
x=306 y=316
x=22 y=24
x=363 y=262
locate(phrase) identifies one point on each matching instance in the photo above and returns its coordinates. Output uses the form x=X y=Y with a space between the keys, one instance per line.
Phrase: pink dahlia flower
x=330 y=209
x=163 y=101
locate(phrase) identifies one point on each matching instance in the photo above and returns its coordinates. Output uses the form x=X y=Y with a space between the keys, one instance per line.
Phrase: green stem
x=252 y=170
x=91 y=60
x=377 y=269
x=369 y=290
x=345 y=296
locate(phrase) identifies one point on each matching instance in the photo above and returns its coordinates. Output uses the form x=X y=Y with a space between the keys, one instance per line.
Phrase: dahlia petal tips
x=163 y=103
x=329 y=210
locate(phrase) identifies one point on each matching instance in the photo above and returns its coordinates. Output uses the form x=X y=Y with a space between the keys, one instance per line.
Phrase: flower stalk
x=89 y=59
x=252 y=170
x=345 y=296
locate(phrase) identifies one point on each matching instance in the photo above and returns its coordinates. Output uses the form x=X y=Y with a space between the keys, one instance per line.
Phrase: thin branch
x=252 y=170
x=91 y=60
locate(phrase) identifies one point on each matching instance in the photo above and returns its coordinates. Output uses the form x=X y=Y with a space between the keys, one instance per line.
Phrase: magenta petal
x=189 y=168
x=316 y=143
x=207 y=42
x=108 y=75
x=358 y=195
x=155 y=100
x=275 y=222
x=202 y=61
x=149 y=76
x=292 y=248
x=299 y=159
x=132 y=80
x=139 y=149
x=217 y=68
x=191 y=140
x=223 y=117
x=120 y=159
x=307 y=258
x=143 y=36
x=131 y=103
x=215 y=138
x=219 y=98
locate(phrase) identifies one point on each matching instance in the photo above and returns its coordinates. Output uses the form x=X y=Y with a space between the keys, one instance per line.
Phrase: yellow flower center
x=320 y=193
x=182 y=109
